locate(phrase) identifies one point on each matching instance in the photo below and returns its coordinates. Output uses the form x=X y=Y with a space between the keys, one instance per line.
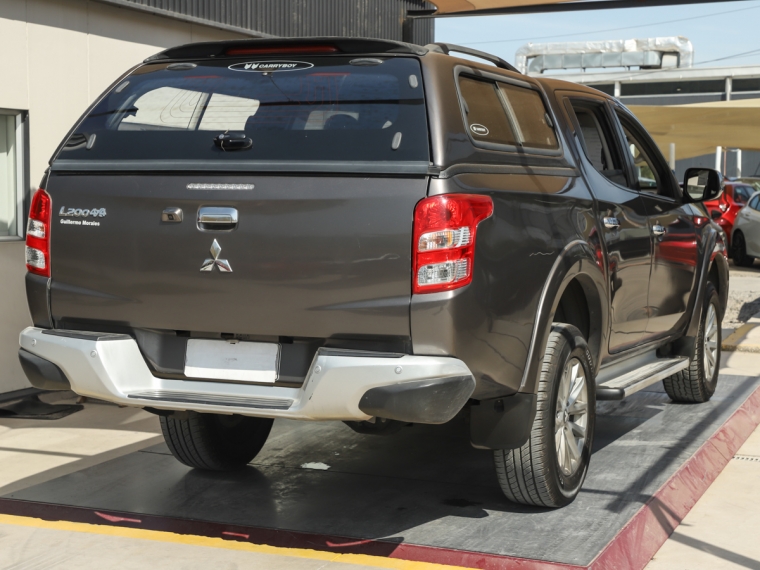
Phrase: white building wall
x=56 y=56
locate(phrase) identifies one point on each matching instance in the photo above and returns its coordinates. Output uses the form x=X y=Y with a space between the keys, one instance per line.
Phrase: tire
x=215 y=442
x=533 y=474
x=739 y=251
x=697 y=382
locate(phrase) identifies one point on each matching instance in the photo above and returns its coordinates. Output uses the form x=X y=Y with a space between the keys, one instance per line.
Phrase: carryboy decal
x=479 y=129
x=269 y=66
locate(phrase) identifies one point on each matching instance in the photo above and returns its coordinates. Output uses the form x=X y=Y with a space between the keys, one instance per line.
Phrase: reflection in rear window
x=326 y=109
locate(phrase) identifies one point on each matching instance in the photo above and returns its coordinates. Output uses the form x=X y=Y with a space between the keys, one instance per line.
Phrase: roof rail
x=446 y=48
x=270 y=46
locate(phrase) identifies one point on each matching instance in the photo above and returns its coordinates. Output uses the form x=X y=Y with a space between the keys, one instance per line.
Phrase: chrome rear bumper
x=338 y=385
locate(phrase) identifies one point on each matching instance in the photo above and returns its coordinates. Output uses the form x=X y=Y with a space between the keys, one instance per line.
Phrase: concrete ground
x=37 y=545
x=743 y=296
x=721 y=531
x=35 y=451
x=723 y=528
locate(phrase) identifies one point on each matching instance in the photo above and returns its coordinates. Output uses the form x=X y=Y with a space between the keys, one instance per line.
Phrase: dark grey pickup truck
x=372 y=232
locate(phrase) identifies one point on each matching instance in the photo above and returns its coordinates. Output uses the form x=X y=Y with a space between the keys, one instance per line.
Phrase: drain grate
x=754 y=458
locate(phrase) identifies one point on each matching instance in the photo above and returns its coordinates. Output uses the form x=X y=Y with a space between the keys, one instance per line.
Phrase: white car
x=745 y=236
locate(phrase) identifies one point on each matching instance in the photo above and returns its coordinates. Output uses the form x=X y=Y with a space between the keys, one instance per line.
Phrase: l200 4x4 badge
x=82 y=212
x=222 y=264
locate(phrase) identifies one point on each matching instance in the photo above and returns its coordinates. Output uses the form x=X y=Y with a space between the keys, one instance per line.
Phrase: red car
x=724 y=209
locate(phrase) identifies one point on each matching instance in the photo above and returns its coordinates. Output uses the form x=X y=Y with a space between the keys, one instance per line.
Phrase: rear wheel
x=697 y=382
x=739 y=251
x=215 y=442
x=549 y=469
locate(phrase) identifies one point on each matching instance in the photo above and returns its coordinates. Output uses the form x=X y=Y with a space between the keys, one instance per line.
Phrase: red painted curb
x=632 y=548
x=640 y=539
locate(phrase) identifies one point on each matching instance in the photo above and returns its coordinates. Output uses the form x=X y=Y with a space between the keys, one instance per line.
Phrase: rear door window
x=504 y=114
x=318 y=109
x=597 y=140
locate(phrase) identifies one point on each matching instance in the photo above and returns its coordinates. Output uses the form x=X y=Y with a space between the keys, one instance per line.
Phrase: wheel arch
x=718 y=274
x=712 y=265
x=578 y=275
x=579 y=303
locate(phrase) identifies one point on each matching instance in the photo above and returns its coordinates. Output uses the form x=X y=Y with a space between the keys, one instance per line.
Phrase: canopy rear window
x=332 y=109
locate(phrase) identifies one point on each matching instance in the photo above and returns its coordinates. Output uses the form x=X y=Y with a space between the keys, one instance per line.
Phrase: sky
x=717 y=30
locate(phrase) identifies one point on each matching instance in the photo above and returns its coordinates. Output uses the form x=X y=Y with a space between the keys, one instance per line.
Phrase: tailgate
x=310 y=256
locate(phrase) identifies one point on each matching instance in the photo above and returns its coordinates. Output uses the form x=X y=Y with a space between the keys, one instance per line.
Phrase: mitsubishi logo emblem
x=222 y=264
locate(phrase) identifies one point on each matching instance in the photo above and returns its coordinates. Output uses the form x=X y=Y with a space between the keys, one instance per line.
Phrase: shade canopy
x=455 y=6
x=698 y=128
x=483 y=7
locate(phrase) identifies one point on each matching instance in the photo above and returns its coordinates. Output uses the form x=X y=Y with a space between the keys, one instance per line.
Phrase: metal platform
x=425 y=493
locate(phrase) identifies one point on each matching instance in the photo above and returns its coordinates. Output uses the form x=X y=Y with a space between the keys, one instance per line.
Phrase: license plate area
x=236 y=361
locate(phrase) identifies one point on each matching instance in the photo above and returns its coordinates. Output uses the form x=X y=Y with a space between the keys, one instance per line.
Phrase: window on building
x=10 y=176
x=608 y=88
x=750 y=84
x=672 y=87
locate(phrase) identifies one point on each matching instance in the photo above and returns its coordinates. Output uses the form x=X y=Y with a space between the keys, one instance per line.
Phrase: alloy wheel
x=571 y=420
x=710 y=341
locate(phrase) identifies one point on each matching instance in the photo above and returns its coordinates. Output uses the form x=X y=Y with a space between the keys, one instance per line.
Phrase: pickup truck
x=372 y=232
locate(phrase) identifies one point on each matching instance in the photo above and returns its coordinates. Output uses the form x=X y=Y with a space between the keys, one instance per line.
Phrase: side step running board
x=640 y=378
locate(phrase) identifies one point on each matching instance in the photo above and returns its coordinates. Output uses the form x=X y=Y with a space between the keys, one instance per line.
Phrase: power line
x=610 y=29
x=742 y=54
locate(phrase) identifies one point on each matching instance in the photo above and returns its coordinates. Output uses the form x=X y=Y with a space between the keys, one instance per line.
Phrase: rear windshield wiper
x=131 y=111
x=236 y=140
x=79 y=140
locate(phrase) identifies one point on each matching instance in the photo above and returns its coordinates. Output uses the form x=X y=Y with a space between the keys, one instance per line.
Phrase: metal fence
x=365 y=18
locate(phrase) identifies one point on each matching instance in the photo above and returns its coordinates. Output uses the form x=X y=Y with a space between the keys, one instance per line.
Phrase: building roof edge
x=185 y=18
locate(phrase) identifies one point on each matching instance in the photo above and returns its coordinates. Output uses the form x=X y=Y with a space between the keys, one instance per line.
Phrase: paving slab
x=425 y=486
x=721 y=530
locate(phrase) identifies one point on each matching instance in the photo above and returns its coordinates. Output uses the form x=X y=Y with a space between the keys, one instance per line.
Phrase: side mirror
x=702 y=184
x=715 y=214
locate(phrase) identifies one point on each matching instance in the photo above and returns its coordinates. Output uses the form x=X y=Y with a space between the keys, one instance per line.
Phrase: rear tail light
x=444 y=240
x=38 y=235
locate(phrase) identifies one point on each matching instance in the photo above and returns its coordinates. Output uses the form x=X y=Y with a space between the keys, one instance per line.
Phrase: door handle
x=658 y=230
x=217 y=218
x=611 y=223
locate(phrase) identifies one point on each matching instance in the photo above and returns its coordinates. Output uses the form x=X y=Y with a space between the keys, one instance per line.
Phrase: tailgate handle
x=217 y=218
